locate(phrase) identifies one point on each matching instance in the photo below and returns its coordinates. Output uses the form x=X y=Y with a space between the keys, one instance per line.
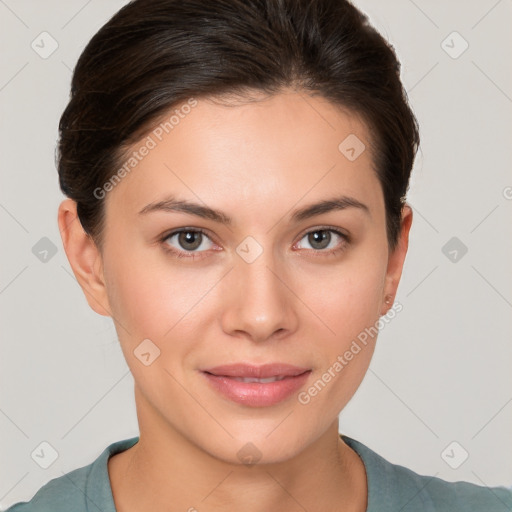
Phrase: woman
x=236 y=174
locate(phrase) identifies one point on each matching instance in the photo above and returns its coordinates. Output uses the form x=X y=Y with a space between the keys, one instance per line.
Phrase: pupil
x=190 y=237
x=316 y=238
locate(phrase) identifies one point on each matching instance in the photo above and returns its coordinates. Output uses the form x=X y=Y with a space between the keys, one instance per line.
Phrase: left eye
x=320 y=239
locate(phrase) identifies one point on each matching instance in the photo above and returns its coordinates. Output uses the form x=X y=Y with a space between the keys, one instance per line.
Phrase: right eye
x=186 y=242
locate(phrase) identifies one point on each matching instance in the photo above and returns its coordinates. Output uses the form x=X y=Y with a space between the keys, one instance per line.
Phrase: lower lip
x=257 y=394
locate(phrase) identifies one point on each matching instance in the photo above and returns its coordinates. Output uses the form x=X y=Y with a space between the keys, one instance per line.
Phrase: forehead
x=290 y=145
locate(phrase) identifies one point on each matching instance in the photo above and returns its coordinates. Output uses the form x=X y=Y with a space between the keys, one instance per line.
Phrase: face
x=249 y=276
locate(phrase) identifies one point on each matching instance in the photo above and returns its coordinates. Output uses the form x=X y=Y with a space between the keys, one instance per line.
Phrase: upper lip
x=257 y=372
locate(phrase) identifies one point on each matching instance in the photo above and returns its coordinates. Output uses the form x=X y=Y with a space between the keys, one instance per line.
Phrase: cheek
x=345 y=298
x=349 y=308
x=154 y=297
x=347 y=301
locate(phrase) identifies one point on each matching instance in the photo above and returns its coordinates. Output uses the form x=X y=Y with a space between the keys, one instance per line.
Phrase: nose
x=258 y=301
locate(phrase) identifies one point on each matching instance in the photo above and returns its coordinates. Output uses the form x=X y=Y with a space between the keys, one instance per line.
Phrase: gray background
x=441 y=370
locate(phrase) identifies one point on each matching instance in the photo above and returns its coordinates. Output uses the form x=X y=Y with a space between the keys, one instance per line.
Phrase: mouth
x=254 y=379
x=256 y=386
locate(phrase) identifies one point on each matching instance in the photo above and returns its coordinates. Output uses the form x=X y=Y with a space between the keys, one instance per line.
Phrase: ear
x=84 y=257
x=396 y=261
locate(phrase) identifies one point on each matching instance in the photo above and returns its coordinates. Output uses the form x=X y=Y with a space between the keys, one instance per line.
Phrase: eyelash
x=198 y=255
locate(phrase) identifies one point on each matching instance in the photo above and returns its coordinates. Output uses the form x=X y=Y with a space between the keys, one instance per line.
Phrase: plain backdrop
x=441 y=370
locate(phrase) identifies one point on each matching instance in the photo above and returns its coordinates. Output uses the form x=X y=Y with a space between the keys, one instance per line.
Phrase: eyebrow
x=171 y=204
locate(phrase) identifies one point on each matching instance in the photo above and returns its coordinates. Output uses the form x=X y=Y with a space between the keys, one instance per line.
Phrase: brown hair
x=155 y=54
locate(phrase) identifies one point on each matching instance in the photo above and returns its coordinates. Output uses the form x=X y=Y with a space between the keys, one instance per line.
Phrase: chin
x=257 y=449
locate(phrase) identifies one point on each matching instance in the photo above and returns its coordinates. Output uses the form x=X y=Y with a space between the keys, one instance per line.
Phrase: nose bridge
x=259 y=281
x=259 y=303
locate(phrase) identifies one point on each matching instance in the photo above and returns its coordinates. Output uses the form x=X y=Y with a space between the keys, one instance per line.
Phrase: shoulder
x=81 y=490
x=434 y=494
x=450 y=496
x=392 y=487
x=63 y=493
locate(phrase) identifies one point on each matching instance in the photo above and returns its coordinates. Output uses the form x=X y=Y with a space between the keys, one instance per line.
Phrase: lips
x=257 y=386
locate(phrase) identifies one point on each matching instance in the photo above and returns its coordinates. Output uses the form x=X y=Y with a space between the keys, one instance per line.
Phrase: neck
x=164 y=468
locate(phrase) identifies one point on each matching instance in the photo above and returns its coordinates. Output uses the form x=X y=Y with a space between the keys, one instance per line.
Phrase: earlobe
x=84 y=257
x=396 y=260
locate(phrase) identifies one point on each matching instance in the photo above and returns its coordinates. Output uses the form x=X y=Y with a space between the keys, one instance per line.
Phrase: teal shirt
x=391 y=488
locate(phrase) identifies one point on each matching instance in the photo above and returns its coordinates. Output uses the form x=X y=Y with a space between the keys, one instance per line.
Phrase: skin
x=257 y=162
